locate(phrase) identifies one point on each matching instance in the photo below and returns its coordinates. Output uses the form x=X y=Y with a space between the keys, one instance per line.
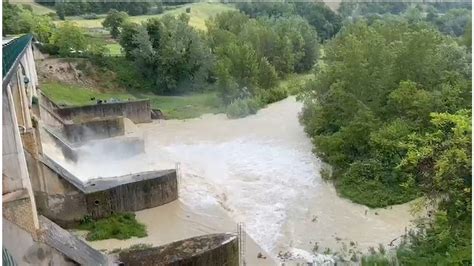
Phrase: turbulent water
x=262 y=171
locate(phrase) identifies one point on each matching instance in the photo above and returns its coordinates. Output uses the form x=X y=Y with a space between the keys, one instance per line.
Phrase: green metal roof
x=12 y=51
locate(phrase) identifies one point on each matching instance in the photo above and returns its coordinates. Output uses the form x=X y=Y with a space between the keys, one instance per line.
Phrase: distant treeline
x=132 y=8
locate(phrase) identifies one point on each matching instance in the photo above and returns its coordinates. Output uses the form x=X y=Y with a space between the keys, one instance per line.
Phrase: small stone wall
x=207 y=250
x=138 y=111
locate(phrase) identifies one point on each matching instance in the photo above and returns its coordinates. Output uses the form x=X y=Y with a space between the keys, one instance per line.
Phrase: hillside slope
x=37 y=8
x=200 y=12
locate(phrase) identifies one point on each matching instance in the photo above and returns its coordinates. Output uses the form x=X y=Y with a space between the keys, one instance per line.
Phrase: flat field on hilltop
x=200 y=12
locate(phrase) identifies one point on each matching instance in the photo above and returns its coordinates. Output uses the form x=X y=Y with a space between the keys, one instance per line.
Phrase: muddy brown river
x=259 y=170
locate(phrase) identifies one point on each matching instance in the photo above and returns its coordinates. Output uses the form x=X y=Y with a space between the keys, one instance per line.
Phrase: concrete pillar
x=32 y=67
x=18 y=153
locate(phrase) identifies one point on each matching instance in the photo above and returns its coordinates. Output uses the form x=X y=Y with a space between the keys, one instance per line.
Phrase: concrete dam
x=50 y=180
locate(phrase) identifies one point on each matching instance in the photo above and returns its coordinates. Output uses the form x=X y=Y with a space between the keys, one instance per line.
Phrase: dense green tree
x=75 y=8
x=18 y=20
x=248 y=50
x=238 y=68
x=70 y=39
x=454 y=22
x=390 y=111
x=269 y=9
x=366 y=73
x=326 y=22
x=356 y=9
x=441 y=161
x=169 y=52
x=468 y=34
x=114 y=21
x=129 y=30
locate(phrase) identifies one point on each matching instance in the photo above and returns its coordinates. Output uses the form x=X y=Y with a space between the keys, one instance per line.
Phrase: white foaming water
x=262 y=170
x=257 y=181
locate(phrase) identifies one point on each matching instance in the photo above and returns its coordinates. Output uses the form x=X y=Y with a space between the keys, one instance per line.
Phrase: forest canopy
x=390 y=111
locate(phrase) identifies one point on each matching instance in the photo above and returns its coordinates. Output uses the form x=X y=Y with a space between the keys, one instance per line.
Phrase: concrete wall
x=53 y=135
x=133 y=196
x=97 y=128
x=47 y=114
x=12 y=150
x=15 y=177
x=17 y=208
x=208 y=250
x=59 y=200
x=138 y=111
x=52 y=247
x=69 y=245
x=22 y=232
x=66 y=200
x=26 y=251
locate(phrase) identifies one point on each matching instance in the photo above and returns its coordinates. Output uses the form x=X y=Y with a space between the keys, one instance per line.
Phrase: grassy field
x=200 y=12
x=173 y=107
x=294 y=82
x=114 y=49
x=37 y=8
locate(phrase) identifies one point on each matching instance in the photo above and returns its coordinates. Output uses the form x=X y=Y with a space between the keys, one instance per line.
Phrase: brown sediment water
x=262 y=171
x=259 y=170
x=176 y=221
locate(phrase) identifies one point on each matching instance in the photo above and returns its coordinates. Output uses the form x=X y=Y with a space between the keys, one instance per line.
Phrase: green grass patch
x=37 y=8
x=114 y=49
x=173 y=107
x=73 y=95
x=293 y=83
x=187 y=106
x=118 y=226
x=200 y=12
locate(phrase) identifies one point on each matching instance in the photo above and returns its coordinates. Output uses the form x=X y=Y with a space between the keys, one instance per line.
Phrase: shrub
x=273 y=95
x=377 y=260
x=243 y=107
x=119 y=226
x=370 y=175
x=48 y=49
